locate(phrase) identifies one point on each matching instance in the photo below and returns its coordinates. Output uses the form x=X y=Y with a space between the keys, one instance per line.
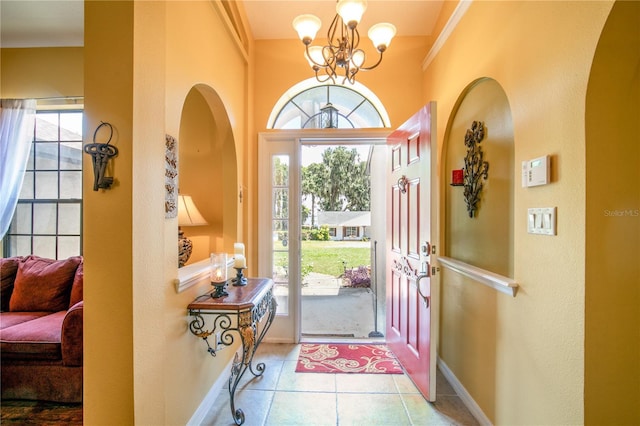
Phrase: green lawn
x=326 y=257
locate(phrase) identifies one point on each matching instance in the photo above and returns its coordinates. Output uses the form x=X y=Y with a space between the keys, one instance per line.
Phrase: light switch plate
x=541 y=221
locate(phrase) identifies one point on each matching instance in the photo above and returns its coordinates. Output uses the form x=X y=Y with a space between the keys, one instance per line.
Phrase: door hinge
x=434 y=270
x=433 y=249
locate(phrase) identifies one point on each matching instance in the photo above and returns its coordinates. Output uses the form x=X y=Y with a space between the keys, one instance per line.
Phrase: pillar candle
x=457 y=177
x=238 y=248
x=239 y=261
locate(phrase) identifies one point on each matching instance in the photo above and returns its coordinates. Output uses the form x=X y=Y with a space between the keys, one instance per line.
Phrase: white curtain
x=17 y=121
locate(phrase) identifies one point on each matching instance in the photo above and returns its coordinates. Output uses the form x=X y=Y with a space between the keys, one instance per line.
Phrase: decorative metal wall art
x=170 y=177
x=101 y=153
x=475 y=168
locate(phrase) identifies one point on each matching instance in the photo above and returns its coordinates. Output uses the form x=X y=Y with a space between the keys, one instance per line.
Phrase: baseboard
x=466 y=398
x=201 y=412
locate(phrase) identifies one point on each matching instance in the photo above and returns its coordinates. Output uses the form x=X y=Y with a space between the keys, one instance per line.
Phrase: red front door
x=409 y=183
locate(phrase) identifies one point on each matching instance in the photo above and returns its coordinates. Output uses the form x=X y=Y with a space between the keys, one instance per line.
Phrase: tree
x=338 y=183
x=313 y=177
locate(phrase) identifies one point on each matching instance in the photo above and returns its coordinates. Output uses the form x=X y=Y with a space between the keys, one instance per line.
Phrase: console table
x=238 y=314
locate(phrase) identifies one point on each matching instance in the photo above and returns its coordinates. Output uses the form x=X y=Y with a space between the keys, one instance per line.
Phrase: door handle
x=425 y=299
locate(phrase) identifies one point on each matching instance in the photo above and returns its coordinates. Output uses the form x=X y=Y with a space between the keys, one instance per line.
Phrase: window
x=351 y=231
x=48 y=218
x=307 y=109
x=332 y=232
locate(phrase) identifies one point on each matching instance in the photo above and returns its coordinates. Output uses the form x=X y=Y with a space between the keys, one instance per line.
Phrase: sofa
x=41 y=313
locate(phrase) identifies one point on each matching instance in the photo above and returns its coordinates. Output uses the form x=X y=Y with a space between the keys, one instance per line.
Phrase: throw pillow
x=8 y=270
x=76 y=288
x=43 y=284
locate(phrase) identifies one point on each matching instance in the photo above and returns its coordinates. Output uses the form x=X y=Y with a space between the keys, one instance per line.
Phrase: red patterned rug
x=347 y=358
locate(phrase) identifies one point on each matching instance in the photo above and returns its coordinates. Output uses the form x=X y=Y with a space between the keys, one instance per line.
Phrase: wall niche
x=486 y=239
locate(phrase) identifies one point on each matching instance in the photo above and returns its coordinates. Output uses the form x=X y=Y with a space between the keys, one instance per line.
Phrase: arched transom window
x=307 y=106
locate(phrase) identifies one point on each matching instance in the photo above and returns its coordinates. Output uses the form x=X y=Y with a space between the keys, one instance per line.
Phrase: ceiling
x=49 y=23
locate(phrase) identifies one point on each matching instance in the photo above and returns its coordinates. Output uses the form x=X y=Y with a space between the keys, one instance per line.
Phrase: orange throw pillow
x=43 y=284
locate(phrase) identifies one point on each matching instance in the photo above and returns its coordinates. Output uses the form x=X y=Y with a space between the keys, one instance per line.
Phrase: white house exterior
x=346 y=226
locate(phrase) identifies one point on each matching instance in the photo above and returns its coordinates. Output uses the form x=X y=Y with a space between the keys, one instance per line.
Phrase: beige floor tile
x=305 y=382
x=422 y=412
x=254 y=404
x=303 y=408
x=366 y=383
x=404 y=384
x=371 y=409
x=277 y=351
x=267 y=381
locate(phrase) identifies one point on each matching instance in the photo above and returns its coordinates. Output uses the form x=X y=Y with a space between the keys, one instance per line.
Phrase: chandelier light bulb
x=381 y=35
x=315 y=57
x=357 y=58
x=307 y=27
x=351 y=11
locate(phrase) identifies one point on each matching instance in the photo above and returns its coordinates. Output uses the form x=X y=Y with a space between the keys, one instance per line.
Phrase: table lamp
x=188 y=215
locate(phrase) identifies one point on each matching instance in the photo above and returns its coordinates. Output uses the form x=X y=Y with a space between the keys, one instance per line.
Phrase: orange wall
x=42 y=72
x=541 y=54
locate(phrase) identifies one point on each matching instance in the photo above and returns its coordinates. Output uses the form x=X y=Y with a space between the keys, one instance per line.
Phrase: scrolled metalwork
x=404 y=267
x=475 y=168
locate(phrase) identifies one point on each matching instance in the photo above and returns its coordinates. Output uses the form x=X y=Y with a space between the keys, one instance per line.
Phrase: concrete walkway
x=329 y=310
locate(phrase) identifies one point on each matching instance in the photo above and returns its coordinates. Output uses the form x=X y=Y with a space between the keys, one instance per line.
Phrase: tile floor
x=283 y=397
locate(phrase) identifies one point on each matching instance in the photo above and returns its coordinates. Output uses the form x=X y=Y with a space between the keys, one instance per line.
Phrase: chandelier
x=341 y=50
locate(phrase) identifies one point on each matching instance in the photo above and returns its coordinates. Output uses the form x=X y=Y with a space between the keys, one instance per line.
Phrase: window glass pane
x=281 y=203
x=44 y=218
x=69 y=219
x=26 y=192
x=71 y=156
x=46 y=156
x=31 y=160
x=68 y=246
x=281 y=280
x=346 y=98
x=366 y=116
x=71 y=126
x=44 y=246
x=46 y=185
x=20 y=245
x=280 y=170
x=46 y=126
x=21 y=222
x=280 y=234
x=291 y=117
x=70 y=185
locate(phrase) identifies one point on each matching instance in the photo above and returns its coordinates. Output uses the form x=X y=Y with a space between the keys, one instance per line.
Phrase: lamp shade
x=315 y=57
x=307 y=27
x=188 y=214
x=351 y=11
x=381 y=35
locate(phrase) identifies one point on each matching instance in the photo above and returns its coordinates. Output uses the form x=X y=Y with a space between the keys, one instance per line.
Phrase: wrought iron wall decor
x=476 y=170
x=170 y=177
x=101 y=153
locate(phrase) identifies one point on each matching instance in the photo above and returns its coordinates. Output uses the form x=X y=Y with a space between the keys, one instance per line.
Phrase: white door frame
x=287 y=328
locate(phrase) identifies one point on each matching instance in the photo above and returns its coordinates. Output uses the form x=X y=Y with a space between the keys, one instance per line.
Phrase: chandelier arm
x=374 y=65
x=331 y=32
x=329 y=77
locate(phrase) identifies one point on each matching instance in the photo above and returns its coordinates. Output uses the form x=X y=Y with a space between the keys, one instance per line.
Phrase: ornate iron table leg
x=248 y=329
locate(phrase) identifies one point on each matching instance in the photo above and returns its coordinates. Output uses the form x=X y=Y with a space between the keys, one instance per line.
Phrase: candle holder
x=240 y=279
x=219 y=274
